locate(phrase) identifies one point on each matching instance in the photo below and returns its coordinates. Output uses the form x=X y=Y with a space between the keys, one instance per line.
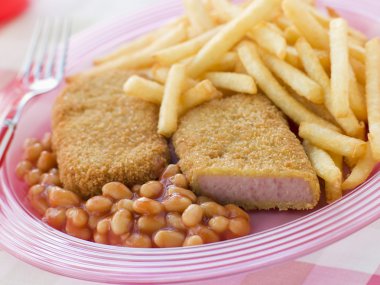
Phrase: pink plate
x=278 y=236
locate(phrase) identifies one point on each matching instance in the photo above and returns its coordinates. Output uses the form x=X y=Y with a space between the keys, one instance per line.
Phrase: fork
x=41 y=72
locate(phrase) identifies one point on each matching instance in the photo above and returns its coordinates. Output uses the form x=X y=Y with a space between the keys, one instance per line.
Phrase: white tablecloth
x=356 y=258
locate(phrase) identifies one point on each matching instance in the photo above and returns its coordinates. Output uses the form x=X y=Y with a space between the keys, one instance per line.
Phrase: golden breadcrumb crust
x=242 y=135
x=102 y=135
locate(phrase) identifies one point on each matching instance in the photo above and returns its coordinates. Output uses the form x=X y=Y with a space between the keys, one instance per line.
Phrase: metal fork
x=42 y=71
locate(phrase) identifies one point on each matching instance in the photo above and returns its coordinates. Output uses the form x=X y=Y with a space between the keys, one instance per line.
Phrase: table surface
x=353 y=260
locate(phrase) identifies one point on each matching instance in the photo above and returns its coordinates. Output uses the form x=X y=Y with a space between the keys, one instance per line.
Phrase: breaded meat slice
x=102 y=135
x=240 y=150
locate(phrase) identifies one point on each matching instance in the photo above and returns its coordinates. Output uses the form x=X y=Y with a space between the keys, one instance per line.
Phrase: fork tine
x=41 y=49
x=24 y=72
x=61 y=60
x=53 y=47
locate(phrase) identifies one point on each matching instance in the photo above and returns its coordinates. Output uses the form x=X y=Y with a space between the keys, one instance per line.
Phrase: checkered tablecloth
x=354 y=260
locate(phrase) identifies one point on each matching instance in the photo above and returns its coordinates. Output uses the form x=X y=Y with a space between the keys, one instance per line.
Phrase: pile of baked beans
x=161 y=213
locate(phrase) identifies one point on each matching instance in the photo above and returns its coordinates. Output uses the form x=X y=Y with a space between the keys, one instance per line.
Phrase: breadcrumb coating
x=102 y=135
x=243 y=136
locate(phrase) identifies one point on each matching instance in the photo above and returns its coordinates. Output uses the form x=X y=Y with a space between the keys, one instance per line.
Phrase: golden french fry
x=339 y=68
x=292 y=57
x=373 y=94
x=269 y=39
x=178 y=52
x=142 y=59
x=324 y=58
x=160 y=74
x=299 y=14
x=351 y=162
x=231 y=34
x=356 y=98
x=332 y=12
x=359 y=70
x=357 y=52
x=200 y=19
x=291 y=35
x=314 y=69
x=237 y=82
x=293 y=77
x=331 y=140
x=338 y=160
x=274 y=91
x=226 y=63
x=325 y=167
x=202 y=92
x=360 y=171
x=145 y=89
x=282 y=22
x=225 y=10
x=168 y=117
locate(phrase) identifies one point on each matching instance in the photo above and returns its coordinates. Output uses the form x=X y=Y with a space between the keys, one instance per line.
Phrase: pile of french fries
x=323 y=74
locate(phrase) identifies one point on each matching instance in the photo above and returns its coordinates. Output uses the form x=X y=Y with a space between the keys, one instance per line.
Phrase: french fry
x=202 y=92
x=359 y=70
x=351 y=162
x=270 y=40
x=178 y=52
x=360 y=171
x=168 y=117
x=291 y=35
x=339 y=68
x=325 y=167
x=356 y=98
x=199 y=18
x=240 y=83
x=145 y=89
x=373 y=94
x=299 y=14
x=332 y=12
x=282 y=22
x=226 y=63
x=142 y=59
x=357 y=52
x=314 y=69
x=274 y=91
x=324 y=58
x=231 y=34
x=293 y=77
x=292 y=57
x=160 y=74
x=338 y=160
x=331 y=140
x=225 y=10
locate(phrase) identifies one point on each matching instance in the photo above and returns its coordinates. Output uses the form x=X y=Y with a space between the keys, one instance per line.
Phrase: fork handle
x=6 y=135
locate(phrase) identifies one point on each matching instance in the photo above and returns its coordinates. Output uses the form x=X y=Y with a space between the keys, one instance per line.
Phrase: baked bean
x=50 y=179
x=146 y=206
x=46 y=161
x=117 y=191
x=168 y=238
x=32 y=152
x=125 y=204
x=136 y=188
x=183 y=192
x=174 y=220
x=239 y=226
x=82 y=233
x=98 y=205
x=138 y=240
x=33 y=177
x=22 y=168
x=218 y=224
x=77 y=216
x=235 y=212
x=192 y=216
x=193 y=240
x=99 y=238
x=121 y=222
x=104 y=226
x=151 y=189
x=55 y=217
x=179 y=180
x=150 y=224
x=207 y=235
x=176 y=203
x=93 y=221
x=212 y=209
x=59 y=197
x=46 y=141
x=203 y=199
x=36 y=199
x=29 y=142
x=170 y=170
